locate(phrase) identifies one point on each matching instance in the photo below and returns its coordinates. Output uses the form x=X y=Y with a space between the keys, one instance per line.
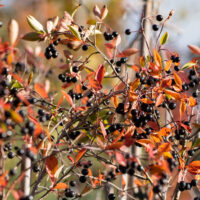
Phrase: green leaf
x=74 y=32
x=16 y=84
x=164 y=38
x=188 y=65
x=32 y=36
x=35 y=24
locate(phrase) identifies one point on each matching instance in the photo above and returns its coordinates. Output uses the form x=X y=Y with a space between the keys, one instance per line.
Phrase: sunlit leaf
x=194 y=49
x=178 y=80
x=35 y=24
x=80 y=154
x=60 y=186
x=40 y=90
x=159 y=100
x=128 y=52
x=74 y=32
x=182 y=108
x=164 y=38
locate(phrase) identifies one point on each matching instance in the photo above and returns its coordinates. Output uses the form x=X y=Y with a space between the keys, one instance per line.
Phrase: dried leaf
x=104 y=12
x=51 y=165
x=178 y=80
x=164 y=38
x=194 y=49
x=40 y=90
x=13 y=31
x=97 y=11
x=80 y=154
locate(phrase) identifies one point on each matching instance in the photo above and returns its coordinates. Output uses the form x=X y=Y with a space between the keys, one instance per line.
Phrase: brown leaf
x=40 y=90
x=127 y=52
x=104 y=12
x=97 y=11
x=194 y=49
x=51 y=165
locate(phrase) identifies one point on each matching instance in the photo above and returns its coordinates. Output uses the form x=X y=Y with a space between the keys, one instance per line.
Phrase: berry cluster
x=51 y=51
x=187 y=186
x=110 y=36
x=67 y=79
x=159 y=18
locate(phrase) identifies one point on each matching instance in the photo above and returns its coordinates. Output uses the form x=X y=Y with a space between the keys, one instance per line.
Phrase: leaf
x=192 y=102
x=104 y=12
x=30 y=78
x=157 y=58
x=49 y=25
x=51 y=165
x=164 y=131
x=165 y=147
x=60 y=186
x=164 y=38
x=16 y=117
x=103 y=130
x=159 y=100
x=128 y=52
x=173 y=94
x=97 y=11
x=120 y=159
x=13 y=31
x=100 y=74
x=40 y=90
x=35 y=24
x=74 y=32
x=68 y=98
x=80 y=154
x=182 y=108
x=147 y=101
x=188 y=65
x=194 y=167
x=32 y=36
x=178 y=80
x=116 y=145
x=168 y=65
x=194 y=49
x=134 y=85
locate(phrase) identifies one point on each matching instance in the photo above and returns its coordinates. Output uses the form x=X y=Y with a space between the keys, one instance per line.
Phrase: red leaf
x=68 y=98
x=103 y=130
x=100 y=74
x=40 y=90
x=194 y=49
x=52 y=167
x=120 y=159
x=60 y=186
x=127 y=52
x=80 y=154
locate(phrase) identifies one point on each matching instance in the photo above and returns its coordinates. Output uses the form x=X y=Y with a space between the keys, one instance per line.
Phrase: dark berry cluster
x=43 y=116
x=114 y=127
x=67 y=79
x=187 y=186
x=110 y=36
x=175 y=59
x=50 y=51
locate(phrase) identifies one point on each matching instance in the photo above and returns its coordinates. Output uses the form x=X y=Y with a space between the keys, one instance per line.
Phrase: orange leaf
x=178 y=80
x=182 y=108
x=120 y=159
x=173 y=94
x=135 y=68
x=117 y=145
x=118 y=137
x=147 y=101
x=194 y=49
x=80 y=154
x=157 y=58
x=127 y=52
x=165 y=147
x=52 y=164
x=60 y=186
x=164 y=132
x=116 y=101
x=159 y=100
x=134 y=85
x=40 y=90
x=168 y=65
x=138 y=182
x=194 y=164
x=192 y=101
x=68 y=98
x=59 y=102
x=91 y=180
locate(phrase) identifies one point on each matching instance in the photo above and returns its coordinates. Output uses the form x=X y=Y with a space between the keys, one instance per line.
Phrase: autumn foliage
x=77 y=131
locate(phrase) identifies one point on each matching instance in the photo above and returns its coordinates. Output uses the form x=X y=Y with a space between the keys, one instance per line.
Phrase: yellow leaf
x=168 y=65
x=134 y=85
x=164 y=38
